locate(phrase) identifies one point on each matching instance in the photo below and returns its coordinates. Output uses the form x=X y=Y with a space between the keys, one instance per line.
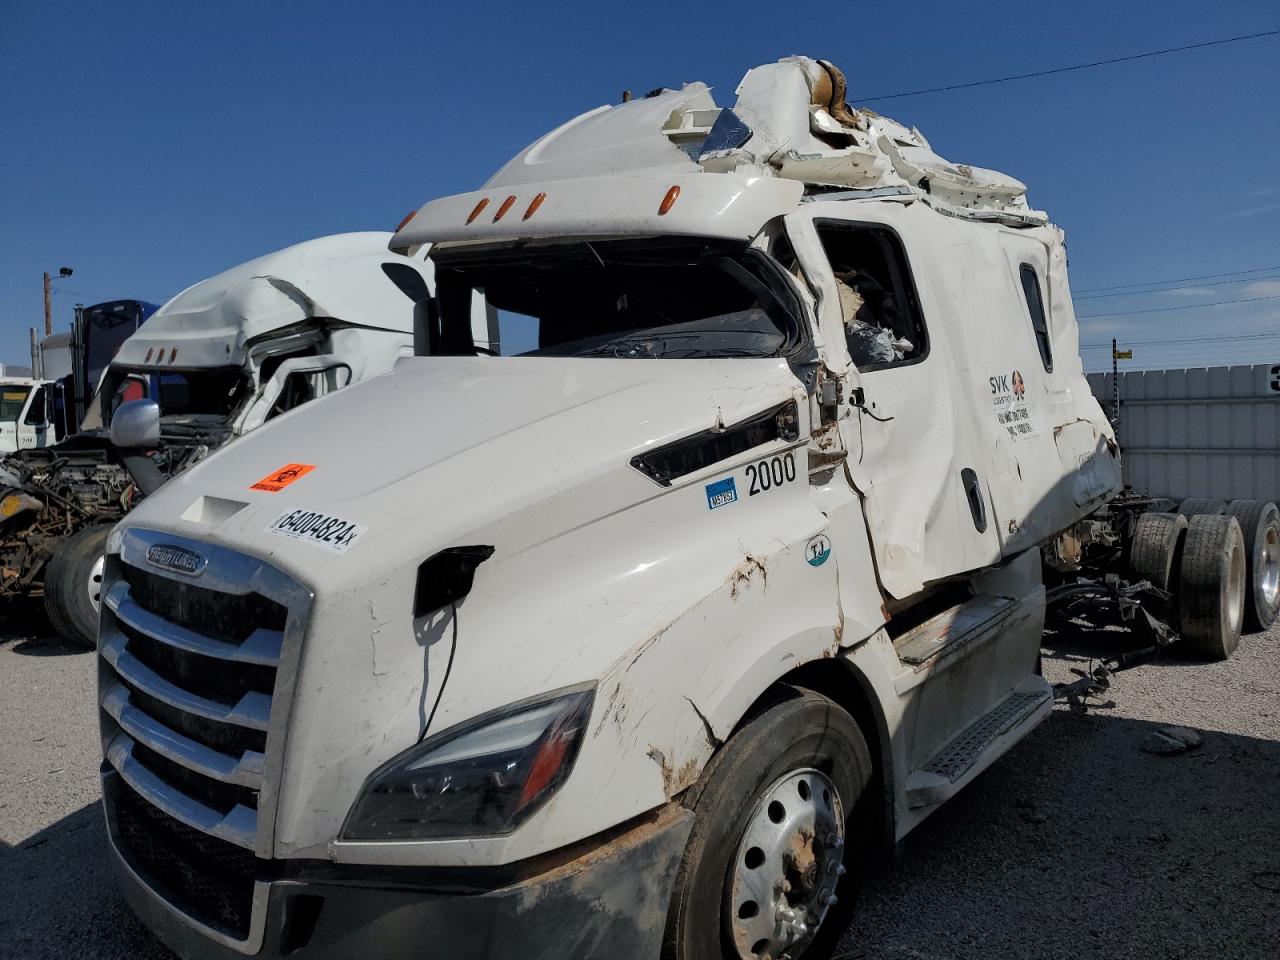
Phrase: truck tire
x=774 y=804
x=53 y=607
x=1260 y=523
x=1157 y=539
x=1194 y=506
x=1211 y=586
x=73 y=582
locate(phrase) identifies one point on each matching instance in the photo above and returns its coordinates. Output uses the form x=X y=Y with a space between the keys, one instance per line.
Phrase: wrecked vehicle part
x=221 y=358
x=700 y=504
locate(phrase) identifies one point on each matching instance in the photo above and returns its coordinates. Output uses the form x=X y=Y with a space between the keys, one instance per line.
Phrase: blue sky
x=151 y=145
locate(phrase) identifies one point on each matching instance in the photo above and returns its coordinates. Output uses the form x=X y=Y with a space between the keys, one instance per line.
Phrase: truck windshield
x=11 y=400
x=651 y=299
x=213 y=393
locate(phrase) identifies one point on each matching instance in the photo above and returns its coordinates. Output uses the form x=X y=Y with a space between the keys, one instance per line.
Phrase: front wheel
x=765 y=870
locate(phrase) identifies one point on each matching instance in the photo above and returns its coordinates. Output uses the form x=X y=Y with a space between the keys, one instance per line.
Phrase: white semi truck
x=641 y=643
x=217 y=361
x=25 y=414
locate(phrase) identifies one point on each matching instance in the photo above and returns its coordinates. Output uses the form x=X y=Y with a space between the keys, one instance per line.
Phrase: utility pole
x=63 y=272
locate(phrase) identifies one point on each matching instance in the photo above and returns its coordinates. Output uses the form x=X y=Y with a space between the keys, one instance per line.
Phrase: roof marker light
x=668 y=201
x=173 y=354
x=478 y=210
x=150 y=351
x=405 y=222
x=534 y=205
x=502 y=210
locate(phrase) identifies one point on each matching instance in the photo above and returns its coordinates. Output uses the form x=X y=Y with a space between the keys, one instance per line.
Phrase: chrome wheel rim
x=94 y=585
x=1235 y=590
x=783 y=878
x=1269 y=567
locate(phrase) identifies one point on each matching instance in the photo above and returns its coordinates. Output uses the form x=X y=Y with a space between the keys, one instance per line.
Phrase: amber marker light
x=479 y=209
x=534 y=205
x=150 y=351
x=407 y=217
x=502 y=210
x=173 y=354
x=668 y=201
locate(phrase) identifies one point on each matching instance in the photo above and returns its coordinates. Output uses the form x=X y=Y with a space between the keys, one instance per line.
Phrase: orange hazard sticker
x=277 y=480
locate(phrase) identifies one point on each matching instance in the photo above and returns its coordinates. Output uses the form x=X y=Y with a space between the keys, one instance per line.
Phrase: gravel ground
x=1078 y=844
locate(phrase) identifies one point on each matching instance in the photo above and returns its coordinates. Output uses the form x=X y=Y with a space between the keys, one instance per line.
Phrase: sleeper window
x=1035 y=306
x=882 y=321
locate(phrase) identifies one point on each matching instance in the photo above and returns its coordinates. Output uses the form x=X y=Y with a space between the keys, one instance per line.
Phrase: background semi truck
x=69 y=366
x=26 y=414
x=641 y=643
x=217 y=361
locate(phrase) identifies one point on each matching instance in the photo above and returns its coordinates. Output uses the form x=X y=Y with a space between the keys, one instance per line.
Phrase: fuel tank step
x=978 y=744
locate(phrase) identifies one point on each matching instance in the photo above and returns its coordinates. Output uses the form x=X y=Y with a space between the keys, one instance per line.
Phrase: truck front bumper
x=606 y=898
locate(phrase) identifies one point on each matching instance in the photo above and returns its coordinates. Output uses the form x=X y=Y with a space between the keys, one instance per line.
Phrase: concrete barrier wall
x=1202 y=432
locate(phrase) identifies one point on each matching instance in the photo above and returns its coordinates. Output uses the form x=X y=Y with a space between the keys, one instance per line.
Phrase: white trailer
x=641 y=643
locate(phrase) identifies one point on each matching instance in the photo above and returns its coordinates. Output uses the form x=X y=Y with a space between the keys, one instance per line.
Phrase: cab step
x=979 y=744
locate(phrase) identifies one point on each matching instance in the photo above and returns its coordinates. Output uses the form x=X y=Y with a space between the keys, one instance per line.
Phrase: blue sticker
x=721 y=492
x=817 y=551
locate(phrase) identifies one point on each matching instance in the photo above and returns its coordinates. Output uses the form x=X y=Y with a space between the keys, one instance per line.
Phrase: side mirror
x=136 y=424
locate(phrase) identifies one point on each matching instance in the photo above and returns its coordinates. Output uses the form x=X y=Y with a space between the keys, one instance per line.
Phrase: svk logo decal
x=1019 y=387
x=177 y=559
x=817 y=550
x=721 y=493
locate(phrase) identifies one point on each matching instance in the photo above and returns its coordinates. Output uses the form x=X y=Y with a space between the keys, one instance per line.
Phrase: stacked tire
x=1260 y=525
x=1219 y=564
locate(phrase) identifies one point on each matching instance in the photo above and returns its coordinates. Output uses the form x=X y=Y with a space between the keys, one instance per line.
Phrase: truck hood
x=446 y=450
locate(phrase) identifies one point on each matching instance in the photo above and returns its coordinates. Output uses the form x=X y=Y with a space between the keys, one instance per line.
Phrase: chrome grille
x=194 y=670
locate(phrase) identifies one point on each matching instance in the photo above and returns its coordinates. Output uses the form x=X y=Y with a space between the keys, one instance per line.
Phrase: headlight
x=480 y=779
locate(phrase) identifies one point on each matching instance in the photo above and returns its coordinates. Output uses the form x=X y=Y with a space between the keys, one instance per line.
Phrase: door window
x=1035 y=307
x=303 y=386
x=883 y=325
x=36 y=412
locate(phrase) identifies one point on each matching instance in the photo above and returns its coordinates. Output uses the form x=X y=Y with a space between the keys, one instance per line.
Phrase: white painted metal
x=680 y=615
x=1200 y=432
x=28 y=427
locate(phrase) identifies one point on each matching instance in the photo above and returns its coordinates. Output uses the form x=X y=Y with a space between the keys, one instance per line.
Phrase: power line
x=1203 y=276
x=1180 y=340
x=1077 y=66
x=1182 y=306
x=1185 y=286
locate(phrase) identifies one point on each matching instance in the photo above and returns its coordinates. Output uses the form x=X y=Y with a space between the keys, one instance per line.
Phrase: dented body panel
x=842 y=479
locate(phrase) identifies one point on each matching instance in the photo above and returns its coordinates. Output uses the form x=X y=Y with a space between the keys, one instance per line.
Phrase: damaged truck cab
x=641 y=642
x=216 y=361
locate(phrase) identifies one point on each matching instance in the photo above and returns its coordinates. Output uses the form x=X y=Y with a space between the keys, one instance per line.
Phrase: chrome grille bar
x=245 y=771
x=261 y=647
x=239 y=826
x=253 y=709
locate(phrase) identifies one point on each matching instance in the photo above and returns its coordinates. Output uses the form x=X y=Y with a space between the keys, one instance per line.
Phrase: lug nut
x=830 y=900
x=840 y=870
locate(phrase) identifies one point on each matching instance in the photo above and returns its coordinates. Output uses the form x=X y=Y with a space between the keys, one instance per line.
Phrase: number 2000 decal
x=771 y=472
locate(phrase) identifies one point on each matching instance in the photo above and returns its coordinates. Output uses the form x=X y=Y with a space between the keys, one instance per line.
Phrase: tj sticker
x=721 y=493
x=817 y=550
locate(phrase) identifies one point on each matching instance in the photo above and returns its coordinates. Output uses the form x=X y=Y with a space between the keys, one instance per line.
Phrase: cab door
x=902 y=416
x=34 y=428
